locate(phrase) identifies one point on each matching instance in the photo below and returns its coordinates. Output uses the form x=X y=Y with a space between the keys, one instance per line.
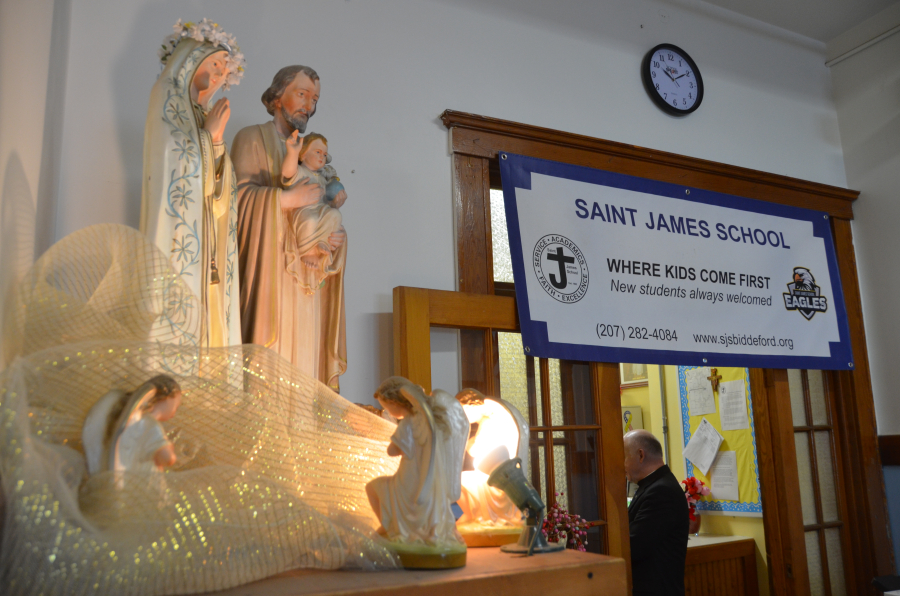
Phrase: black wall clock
x=672 y=80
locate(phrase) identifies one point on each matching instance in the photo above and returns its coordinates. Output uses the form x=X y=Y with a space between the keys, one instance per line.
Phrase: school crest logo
x=560 y=268
x=804 y=295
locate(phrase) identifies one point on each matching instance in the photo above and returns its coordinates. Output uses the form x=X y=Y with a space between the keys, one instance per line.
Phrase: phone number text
x=626 y=332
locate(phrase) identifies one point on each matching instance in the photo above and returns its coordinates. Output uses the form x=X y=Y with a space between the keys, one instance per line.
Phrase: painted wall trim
x=862 y=47
x=889 y=446
x=864 y=35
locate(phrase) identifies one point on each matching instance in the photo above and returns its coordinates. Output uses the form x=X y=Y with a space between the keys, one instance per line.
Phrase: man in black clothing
x=657 y=518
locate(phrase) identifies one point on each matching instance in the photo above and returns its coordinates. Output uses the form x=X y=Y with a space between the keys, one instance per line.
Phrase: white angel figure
x=122 y=431
x=414 y=505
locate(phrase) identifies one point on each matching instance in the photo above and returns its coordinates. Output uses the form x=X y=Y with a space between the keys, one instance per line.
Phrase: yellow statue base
x=421 y=556
x=479 y=535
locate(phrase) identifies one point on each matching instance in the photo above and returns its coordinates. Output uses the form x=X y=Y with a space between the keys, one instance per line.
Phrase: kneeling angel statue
x=123 y=433
x=414 y=505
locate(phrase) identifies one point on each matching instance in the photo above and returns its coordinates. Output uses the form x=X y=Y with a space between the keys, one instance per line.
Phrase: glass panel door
x=812 y=404
x=555 y=398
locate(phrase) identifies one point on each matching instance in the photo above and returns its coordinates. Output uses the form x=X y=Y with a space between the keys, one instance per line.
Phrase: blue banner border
x=515 y=172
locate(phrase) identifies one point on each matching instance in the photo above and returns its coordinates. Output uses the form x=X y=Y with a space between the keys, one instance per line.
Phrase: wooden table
x=488 y=572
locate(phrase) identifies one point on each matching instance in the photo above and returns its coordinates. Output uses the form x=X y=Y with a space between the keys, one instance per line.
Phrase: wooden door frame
x=476 y=141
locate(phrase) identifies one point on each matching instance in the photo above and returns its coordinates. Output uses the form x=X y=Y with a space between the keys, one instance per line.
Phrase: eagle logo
x=804 y=295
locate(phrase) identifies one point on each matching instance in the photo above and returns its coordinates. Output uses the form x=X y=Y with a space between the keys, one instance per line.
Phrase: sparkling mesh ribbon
x=271 y=464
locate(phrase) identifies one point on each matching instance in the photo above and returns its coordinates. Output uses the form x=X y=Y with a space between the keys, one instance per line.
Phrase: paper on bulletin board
x=724 y=474
x=700 y=393
x=733 y=402
x=742 y=442
x=703 y=447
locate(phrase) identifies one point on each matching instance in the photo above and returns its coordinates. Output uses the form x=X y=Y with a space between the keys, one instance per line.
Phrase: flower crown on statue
x=207 y=31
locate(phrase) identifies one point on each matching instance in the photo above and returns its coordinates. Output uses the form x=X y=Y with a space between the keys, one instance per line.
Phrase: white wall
x=390 y=67
x=33 y=40
x=867 y=96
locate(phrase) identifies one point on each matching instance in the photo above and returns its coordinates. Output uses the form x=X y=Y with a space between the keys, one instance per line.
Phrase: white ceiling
x=822 y=20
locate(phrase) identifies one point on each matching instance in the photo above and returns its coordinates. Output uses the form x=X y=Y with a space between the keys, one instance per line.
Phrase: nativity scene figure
x=123 y=431
x=280 y=307
x=309 y=257
x=414 y=505
x=188 y=195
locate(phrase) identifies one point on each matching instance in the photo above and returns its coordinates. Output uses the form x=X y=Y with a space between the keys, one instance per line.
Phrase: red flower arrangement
x=562 y=525
x=694 y=490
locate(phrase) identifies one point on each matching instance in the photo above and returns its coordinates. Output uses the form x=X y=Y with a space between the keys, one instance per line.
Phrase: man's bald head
x=643 y=455
x=642 y=439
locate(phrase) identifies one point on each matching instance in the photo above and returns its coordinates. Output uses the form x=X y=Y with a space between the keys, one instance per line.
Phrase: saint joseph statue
x=305 y=325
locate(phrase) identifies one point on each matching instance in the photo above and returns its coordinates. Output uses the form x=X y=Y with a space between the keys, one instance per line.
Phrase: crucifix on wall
x=714 y=378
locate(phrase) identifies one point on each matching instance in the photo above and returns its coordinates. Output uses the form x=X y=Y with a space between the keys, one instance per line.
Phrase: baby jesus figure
x=310 y=258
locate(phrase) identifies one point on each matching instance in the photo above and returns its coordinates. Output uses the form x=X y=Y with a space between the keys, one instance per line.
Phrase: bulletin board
x=742 y=442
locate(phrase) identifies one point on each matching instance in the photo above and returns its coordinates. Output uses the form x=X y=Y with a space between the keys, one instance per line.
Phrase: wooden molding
x=633 y=385
x=483 y=137
x=412 y=336
x=889 y=446
x=472 y=199
x=855 y=416
x=416 y=310
x=472 y=311
x=780 y=490
x=605 y=381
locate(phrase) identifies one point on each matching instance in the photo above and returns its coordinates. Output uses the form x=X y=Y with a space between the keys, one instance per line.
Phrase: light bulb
x=494 y=458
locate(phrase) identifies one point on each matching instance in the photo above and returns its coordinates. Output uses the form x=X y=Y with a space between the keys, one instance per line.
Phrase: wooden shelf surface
x=488 y=571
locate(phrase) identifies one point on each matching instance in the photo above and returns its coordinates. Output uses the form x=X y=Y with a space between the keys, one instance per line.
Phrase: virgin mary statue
x=188 y=198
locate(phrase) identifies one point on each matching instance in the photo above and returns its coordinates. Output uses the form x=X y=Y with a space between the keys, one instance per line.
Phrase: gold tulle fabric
x=271 y=464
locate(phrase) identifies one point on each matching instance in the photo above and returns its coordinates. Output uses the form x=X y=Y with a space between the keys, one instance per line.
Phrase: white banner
x=615 y=268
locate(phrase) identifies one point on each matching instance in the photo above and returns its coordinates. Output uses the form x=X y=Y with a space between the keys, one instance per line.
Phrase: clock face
x=672 y=80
